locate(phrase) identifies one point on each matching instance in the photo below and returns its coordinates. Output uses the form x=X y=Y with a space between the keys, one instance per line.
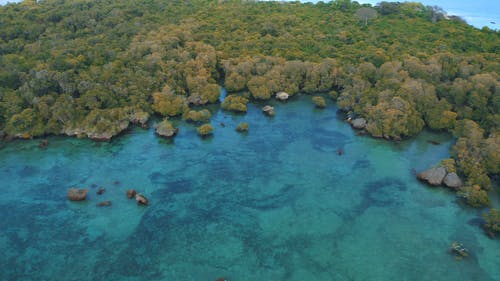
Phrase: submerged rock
x=282 y=96
x=359 y=123
x=100 y=191
x=433 y=176
x=104 y=204
x=268 y=110
x=452 y=180
x=43 y=144
x=131 y=193
x=141 y=199
x=76 y=194
x=459 y=250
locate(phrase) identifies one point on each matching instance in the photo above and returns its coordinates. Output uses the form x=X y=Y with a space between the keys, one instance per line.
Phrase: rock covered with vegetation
x=205 y=130
x=492 y=222
x=319 y=101
x=268 y=110
x=242 y=127
x=201 y=116
x=166 y=129
x=235 y=103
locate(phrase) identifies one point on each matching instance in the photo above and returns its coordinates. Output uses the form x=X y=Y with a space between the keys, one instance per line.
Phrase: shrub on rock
x=242 y=127
x=205 y=130
x=198 y=116
x=319 y=101
x=166 y=129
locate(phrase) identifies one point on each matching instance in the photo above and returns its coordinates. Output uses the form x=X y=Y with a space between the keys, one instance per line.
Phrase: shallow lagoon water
x=277 y=203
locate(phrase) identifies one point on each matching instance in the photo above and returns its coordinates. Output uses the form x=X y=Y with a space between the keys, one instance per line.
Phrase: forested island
x=94 y=68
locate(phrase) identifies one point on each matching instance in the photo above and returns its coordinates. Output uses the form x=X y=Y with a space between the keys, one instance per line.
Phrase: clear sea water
x=277 y=203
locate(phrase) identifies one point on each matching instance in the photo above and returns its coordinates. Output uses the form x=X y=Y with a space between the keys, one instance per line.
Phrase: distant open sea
x=478 y=13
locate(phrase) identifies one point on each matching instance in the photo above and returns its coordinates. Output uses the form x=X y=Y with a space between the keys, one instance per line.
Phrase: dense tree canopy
x=91 y=68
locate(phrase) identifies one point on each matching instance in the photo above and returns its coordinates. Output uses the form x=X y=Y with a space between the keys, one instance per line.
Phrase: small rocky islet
x=80 y=194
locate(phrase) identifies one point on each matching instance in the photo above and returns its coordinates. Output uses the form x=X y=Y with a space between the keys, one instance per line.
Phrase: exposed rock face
x=268 y=110
x=359 y=123
x=452 y=180
x=139 y=117
x=282 y=96
x=131 y=193
x=433 y=176
x=141 y=199
x=76 y=194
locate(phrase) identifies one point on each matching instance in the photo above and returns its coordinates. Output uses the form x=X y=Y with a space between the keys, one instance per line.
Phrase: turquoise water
x=277 y=203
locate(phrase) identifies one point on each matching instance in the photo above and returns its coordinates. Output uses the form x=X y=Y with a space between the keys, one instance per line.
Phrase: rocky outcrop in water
x=76 y=194
x=268 y=110
x=282 y=96
x=242 y=127
x=319 y=101
x=141 y=199
x=433 y=176
x=452 y=180
x=166 y=129
x=440 y=176
x=131 y=193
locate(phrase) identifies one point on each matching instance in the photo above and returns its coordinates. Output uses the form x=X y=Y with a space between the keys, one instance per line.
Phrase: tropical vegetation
x=92 y=68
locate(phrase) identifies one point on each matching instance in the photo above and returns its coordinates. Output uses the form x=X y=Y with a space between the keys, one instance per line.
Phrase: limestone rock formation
x=268 y=110
x=433 y=176
x=282 y=96
x=452 y=180
x=359 y=123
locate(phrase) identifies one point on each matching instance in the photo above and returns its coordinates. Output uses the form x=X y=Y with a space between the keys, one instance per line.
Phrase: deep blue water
x=277 y=203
